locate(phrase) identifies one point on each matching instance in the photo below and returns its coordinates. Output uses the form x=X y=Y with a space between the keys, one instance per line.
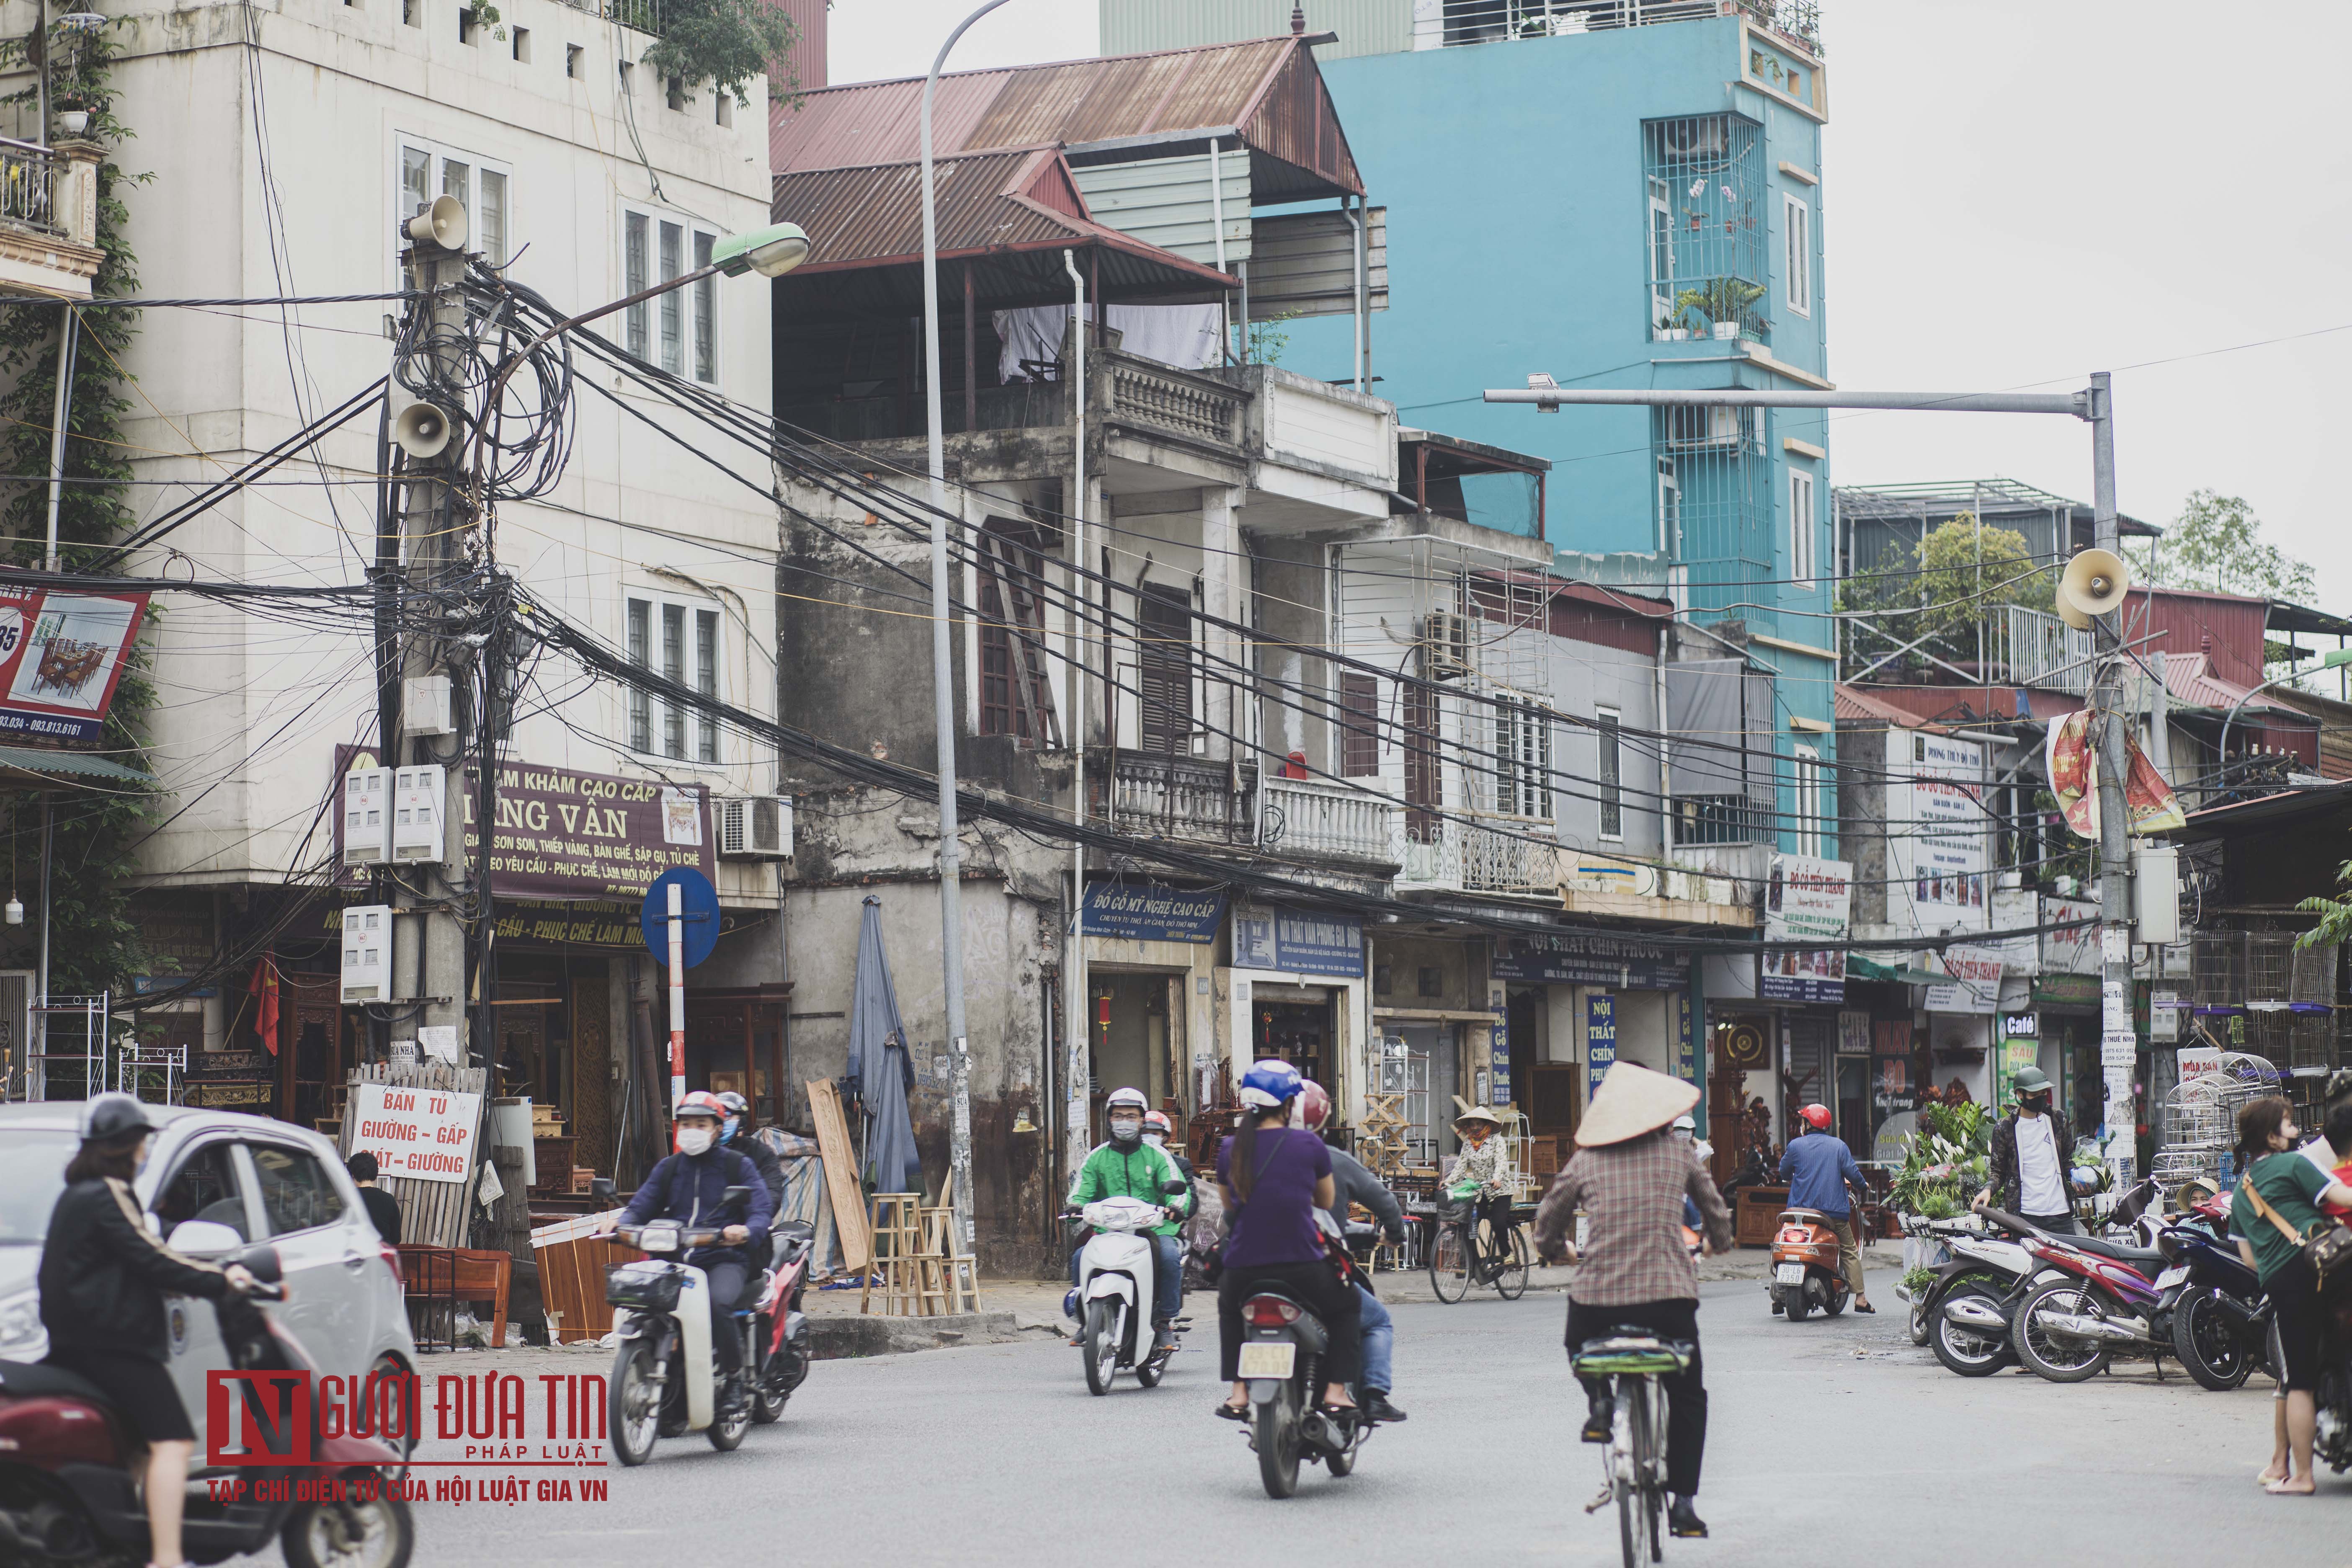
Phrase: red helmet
x=1156 y=1121
x=1819 y=1115
x=700 y=1102
x=1314 y=1105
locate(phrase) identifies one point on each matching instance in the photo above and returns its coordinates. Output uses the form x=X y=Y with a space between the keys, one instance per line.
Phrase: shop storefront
x=1825 y=1044
x=1433 y=1012
x=1298 y=993
x=1152 y=993
x=1574 y=1005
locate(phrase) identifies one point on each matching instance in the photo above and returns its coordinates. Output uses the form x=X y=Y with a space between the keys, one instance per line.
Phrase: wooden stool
x=897 y=1245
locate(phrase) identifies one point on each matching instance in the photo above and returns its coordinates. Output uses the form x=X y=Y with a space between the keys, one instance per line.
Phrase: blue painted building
x=1616 y=192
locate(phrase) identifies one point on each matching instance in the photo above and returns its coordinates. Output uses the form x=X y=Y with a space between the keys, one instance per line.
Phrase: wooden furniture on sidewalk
x=573 y=1260
x=437 y=1278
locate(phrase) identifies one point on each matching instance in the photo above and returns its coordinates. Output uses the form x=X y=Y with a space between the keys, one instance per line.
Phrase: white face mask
x=1124 y=1130
x=1156 y=1139
x=693 y=1140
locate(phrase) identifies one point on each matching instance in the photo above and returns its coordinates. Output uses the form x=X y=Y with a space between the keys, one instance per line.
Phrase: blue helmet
x=1270 y=1082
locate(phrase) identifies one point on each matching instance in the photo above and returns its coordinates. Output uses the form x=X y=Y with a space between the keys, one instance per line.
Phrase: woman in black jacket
x=102 y=1280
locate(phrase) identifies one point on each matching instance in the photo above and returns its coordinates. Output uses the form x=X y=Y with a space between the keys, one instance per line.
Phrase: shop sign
x=1939 y=862
x=421 y=1134
x=1498 y=1049
x=1576 y=958
x=2066 y=990
x=1686 y=1043
x=1150 y=911
x=1298 y=941
x=2074 y=952
x=1975 y=985
x=1853 y=1034
x=1600 y=1042
x=565 y=835
x=1806 y=900
x=1892 y=1090
x=60 y=659
x=2016 y=1056
x=2197 y=1061
x=2020 y=1026
x=182 y=940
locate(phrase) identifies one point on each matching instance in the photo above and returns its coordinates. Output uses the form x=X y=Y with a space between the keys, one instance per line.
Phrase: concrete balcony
x=48 y=217
x=1307 y=816
x=1512 y=856
x=1183 y=799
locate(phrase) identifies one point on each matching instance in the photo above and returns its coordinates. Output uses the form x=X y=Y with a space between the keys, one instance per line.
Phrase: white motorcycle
x=1115 y=1292
x=664 y=1379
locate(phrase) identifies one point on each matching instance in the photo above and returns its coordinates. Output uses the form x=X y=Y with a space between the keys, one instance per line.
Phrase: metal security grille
x=1714 y=501
x=1704 y=176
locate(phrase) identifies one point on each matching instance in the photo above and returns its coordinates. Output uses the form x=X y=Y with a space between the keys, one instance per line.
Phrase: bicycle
x=1463 y=1252
x=1633 y=1464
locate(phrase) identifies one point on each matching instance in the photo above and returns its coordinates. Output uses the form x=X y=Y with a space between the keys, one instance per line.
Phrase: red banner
x=61 y=655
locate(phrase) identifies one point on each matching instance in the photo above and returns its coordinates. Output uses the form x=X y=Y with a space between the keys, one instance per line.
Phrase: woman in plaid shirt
x=1629 y=1175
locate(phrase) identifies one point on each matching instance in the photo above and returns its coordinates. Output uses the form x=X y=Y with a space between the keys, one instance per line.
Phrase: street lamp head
x=771 y=252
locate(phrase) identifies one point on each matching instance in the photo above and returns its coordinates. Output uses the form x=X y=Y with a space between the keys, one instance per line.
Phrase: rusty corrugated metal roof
x=988 y=202
x=1267 y=89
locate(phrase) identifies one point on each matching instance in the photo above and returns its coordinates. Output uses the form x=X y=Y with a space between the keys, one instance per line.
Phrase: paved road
x=1833 y=1443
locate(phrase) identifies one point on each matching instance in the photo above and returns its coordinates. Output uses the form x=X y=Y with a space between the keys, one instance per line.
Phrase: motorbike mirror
x=261 y=1262
x=1175 y=1189
x=601 y=1189
x=737 y=1193
x=205 y=1238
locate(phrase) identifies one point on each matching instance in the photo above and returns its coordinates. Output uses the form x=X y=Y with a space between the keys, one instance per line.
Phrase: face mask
x=726 y=1129
x=2037 y=1102
x=1156 y=1140
x=693 y=1140
x=1125 y=1132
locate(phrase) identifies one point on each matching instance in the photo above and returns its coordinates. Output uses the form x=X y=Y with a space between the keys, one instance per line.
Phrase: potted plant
x=72 y=109
x=1728 y=304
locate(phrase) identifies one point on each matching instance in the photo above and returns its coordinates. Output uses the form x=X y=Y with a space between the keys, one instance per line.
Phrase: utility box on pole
x=417 y=832
x=367 y=816
x=367 y=952
x=2156 y=894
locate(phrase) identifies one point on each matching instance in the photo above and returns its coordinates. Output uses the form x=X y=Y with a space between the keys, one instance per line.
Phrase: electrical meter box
x=367 y=816
x=367 y=952
x=419 y=797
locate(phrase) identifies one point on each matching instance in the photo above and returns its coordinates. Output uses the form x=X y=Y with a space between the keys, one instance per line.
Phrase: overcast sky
x=2015 y=194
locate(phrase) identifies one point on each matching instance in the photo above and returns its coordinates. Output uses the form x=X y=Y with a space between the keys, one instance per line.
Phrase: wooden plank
x=840 y=1174
x=433 y=1213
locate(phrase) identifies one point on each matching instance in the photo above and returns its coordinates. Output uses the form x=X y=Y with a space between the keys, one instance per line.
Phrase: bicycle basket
x=1630 y=1357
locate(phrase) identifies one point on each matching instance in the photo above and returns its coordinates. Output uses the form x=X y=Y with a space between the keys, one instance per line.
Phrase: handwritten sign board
x=423 y=1134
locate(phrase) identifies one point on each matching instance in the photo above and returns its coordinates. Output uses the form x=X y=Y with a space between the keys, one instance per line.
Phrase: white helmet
x=1685 y=1126
x=1119 y=1098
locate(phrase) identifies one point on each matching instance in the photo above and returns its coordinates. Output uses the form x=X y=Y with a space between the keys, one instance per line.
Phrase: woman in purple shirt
x=1273 y=1178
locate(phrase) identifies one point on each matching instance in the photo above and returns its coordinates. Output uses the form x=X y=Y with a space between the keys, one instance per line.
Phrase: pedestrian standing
x=382 y=1208
x=2032 y=1160
x=2275 y=1211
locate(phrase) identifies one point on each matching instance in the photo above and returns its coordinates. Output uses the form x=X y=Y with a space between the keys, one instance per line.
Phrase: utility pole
x=2118 y=1042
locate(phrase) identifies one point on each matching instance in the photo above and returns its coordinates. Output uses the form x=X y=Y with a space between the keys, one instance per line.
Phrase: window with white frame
x=1796 y=230
x=678 y=640
x=1804 y=528
x=1522 y=758
x=1608 y=730
x=428 y=169
x=1809 y=801
x=678 y=330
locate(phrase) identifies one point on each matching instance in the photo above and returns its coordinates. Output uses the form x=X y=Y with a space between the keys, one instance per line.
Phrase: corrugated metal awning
x=16 y=761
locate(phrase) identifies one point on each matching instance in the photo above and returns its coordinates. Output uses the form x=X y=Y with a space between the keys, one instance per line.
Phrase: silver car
x=266 y=1181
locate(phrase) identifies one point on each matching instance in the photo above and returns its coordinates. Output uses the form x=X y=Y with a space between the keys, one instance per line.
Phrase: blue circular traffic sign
x=698 y=903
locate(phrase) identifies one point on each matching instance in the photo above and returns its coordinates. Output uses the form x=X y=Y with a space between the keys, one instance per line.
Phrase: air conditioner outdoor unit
x=1447 y=647
x=758 y=827
x=1682 y=139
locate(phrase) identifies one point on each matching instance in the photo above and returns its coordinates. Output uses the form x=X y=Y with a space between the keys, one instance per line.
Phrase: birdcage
x=2218 y=968
x=2313 y=982
x=2294 y=1038
x=2201 y=1119
x=2269 y=968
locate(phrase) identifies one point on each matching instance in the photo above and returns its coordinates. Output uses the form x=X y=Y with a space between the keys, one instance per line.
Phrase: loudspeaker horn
x=2094 y=583
x=442 y=223
x=422 y=429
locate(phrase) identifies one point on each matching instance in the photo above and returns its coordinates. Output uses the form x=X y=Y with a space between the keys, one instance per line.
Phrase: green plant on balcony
x=726 y=43
x=1723 y=300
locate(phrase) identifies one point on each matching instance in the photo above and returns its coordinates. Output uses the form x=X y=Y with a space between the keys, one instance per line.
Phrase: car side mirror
x=1176 y=1189
x=205 y=1238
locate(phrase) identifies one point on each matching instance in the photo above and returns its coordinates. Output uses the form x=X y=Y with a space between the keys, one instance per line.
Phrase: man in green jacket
x=1127 y=1167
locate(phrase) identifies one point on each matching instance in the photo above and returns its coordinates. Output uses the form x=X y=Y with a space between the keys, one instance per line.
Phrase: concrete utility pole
x=2118 y=1044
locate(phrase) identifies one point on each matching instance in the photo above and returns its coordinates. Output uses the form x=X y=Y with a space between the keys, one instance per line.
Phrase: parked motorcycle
x=1966 y=1310
x=1113 y=1301
x=2221 y=1320
x=68 y=1493
x=1805 y=1272
x=780 y=1329
x=1282 y=1362
x=665 y=1378
x=2112 y=1298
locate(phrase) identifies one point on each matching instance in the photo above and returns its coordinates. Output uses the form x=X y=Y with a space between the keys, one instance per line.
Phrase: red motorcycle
x=780 y=1336
x=68 y=1492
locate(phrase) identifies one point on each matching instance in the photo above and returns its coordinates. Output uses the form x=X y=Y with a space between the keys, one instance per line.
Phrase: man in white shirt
x=2031 y=1153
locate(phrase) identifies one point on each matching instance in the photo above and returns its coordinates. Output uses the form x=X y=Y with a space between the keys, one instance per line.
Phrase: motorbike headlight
x=22 y=1338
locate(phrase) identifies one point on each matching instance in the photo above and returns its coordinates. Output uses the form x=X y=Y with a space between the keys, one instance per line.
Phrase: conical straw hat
x=1633 y=1100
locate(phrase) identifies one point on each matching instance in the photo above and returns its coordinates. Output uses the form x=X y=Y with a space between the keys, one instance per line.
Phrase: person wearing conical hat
x=1480 y=1186
x=1629 y=1175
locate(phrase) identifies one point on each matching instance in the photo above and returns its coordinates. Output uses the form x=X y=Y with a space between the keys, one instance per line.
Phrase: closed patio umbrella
x=879 y=1068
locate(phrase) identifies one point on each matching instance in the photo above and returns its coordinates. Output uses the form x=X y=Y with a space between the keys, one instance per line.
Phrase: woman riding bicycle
x=1630 y=1175
x=1480 y=1185
x=1273 y=1178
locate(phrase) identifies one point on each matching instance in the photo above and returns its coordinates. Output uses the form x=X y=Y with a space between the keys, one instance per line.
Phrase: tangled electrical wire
x=525 y=441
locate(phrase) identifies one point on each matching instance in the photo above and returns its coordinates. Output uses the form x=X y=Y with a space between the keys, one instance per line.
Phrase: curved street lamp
x=2329 y=661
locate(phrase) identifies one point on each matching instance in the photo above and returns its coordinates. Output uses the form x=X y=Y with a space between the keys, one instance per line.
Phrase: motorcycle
x=665 y=1378
x=1805 y=1272
x=2111 y=1298
x=1965 y=1311
x=780 y=1329
x=1114 y=1297
x=1281 y=1361
x=2220 y=1321
x=2333 y=1442
x=68 y=1493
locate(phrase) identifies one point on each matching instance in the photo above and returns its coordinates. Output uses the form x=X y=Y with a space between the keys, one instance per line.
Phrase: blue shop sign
x=1299 y=942
x=1150 y=911
x=1578 y=958
x=1599 y=1041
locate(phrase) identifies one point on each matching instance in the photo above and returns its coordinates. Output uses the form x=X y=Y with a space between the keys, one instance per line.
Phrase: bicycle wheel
x=1450 y=1262
x=1511 y=1272
x=1654 y=1398
x=1635 y=1523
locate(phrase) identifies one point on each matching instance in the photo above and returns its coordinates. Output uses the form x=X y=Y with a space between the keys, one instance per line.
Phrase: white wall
x=250 y=711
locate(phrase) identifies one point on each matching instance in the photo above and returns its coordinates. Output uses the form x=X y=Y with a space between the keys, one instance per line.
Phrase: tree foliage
x=727 y=43
x=94 y=944
x=1943 y=587
x=2216 y=543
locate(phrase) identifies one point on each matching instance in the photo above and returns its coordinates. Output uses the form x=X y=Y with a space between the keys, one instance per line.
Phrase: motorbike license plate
x=1789 y=1273
x=1267 y=1358
x=2172 y=1276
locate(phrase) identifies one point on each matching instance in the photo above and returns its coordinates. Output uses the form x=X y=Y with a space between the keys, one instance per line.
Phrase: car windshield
x=32 y=1174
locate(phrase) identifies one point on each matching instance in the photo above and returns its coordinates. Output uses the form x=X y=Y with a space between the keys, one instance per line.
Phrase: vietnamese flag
x=263 y=989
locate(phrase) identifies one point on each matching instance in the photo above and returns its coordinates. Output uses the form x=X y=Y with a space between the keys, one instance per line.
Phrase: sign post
x=681 y=920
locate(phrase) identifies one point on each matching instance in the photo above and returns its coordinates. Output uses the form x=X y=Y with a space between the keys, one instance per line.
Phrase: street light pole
x=2336 y=660
x=943 y=678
